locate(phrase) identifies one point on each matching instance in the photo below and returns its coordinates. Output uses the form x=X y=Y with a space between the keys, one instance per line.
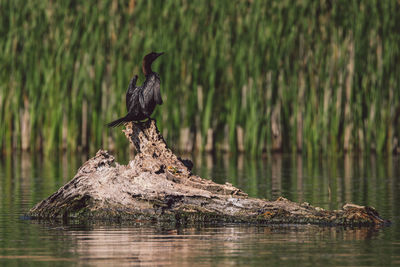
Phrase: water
x=326 y=182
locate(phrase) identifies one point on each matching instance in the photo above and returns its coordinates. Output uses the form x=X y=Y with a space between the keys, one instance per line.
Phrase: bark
x=159 y=186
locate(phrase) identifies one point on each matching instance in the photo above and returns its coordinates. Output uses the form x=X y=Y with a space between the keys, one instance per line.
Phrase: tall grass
x=290 y=75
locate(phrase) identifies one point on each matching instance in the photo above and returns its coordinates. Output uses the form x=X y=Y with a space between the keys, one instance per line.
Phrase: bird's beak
x=159 y=54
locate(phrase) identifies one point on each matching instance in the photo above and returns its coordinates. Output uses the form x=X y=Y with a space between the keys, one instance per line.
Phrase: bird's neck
x=146 y=68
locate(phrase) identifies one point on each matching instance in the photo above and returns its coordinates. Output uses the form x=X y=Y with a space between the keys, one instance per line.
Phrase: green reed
x=290 y=75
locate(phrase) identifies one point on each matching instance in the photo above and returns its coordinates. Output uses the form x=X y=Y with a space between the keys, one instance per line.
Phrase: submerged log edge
x=158 y=186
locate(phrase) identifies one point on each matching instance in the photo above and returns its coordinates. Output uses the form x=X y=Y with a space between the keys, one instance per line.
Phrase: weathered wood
x=158 y=186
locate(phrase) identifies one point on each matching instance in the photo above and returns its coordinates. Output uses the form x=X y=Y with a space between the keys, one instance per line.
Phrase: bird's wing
x=157 y=93
x=150 y=93
x=129 y=92
x=142 y=99
x=133 y=107
x=153 y=92
x=146 y=94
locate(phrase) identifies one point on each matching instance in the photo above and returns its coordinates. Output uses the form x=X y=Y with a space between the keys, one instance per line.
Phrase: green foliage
x=67 y=65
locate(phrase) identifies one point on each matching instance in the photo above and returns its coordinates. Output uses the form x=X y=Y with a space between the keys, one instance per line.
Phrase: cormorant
x=141 y=101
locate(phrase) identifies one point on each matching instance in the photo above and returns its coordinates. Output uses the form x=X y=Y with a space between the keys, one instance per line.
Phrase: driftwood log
x=159 y=186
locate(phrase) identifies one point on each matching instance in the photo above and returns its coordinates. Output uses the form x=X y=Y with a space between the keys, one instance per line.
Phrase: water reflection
x=150 y=246
x=204 y=246
x=328 y=182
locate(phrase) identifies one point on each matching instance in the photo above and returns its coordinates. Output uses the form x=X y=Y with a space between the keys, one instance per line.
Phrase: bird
x=142 y=100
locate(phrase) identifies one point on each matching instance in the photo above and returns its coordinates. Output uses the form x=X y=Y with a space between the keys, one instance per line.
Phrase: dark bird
x=141 y=100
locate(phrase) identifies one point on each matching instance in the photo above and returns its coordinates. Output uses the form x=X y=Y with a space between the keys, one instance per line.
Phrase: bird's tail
x=118 y=122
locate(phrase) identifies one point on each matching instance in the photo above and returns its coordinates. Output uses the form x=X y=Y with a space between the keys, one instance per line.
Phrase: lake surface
x=328 y=182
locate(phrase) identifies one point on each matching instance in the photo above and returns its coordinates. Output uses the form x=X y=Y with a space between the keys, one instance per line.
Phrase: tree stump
x=159 y=186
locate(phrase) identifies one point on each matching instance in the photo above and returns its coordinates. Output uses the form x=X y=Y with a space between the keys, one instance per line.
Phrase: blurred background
x=317 y=77
x=253 y=76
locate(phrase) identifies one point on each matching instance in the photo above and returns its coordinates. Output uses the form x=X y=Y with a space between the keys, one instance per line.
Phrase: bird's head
x=152 y=56
x=148 y=60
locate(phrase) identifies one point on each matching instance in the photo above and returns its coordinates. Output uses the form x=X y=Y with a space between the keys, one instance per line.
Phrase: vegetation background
x=254 y=76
